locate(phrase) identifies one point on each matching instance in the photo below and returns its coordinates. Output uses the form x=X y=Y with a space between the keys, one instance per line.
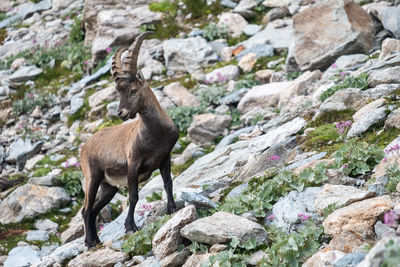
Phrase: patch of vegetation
x=139 y=243
x=183 y=116
x=264 y=191
x=232 y=41
x=155 y=196
x=211 y=95
x=391 y=254
x=290 y=76
x=30 y=101
x=213 y=32
x=380 y=138
x=331 y=117
x=3 y=35
x=109 y=122
x=178 y=169
x=165 y=7
x=70 y=55
x=321 y=136
x=77 y=34
x=357 y=158
x=247 y=81
x=235 y=115
x=41 y=172
x=393 y=173
x=52 y=79
x=293 y=249
x=46 y=161
x=72 y=182
x=3 y=16
x=329 y=209
x=349 y=82
x=200 y=10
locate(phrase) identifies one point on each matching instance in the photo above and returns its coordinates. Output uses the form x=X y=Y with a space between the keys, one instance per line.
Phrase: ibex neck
x=152 y=114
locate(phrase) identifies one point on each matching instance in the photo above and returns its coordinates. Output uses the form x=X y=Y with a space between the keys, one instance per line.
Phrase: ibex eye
x=133 y=91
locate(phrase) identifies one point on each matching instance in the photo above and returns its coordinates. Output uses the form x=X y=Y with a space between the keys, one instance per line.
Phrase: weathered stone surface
x=394 y=119
x=340 y=195
x=389 y=46
x=266 y=95
x=21 y=150
x=223 y=74
x=197 y=200
x=260 y=50
x=75 y=229
x=46 y=225
x=234 y=22
x=221 y=227
x=187 y=55
x=104 y=257
x=196 y=260
x=383 y=230
x=375 y=256
x=180 y=96
x=37 y=235
x=298 y=87
x=343 y=63
x=345 y=99
x=324 y=258
x=367 y=116
x=25 y=73
x=319 y=39
x=21 y=257
x=358 y=217
x=207 y=127
x=389 y=17
x=175 y=259
x=387 y=75
x=351 y=259
x=28 y=201
x=191 y=151
x=168 y=237
x=247 y=62
x=107 y=94
x=349 y=241
x=288 y=208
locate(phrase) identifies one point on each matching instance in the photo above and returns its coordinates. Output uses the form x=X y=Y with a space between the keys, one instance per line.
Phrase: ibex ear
x=140 y=78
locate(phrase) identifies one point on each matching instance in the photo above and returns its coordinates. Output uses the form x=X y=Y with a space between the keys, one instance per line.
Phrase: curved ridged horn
x=130 y=62
x=116 y=67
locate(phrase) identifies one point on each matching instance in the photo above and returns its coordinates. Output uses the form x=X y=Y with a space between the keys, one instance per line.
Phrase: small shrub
x=41 y=172
x=247 y=82
x=349 y=82
x=183 y=116
x=30 y=101
x=77 y=33
x=139 y=243
x=72 y=182
x=211 y=95
x=155 y=196
x=212 y=32
x=356 y=157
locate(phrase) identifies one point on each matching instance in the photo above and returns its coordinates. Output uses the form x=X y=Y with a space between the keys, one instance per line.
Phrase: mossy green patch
x=178 y=169
x=3 y=35
x=331 y=117
x=52 y=79
x=325 y=134
x=41 y=172
x=379 y=136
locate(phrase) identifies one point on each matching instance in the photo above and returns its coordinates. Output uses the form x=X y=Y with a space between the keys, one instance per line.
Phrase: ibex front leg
x=133 y=177
x=165 y=170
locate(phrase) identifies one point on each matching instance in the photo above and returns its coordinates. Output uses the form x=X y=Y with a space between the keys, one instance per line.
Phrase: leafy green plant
x=212 y=31
x=294 y=249
x=211 y=95
x=155 y=196
x=165 y=7
x=321 y=136
x=393 y=173
x=30 y=101
x=183 y=116
x=290 y=76
x=356 y=157
x=41 y=172
x=72 y=182
x=200 y=9
x=139 y=243
x=77 y=33
x=391 y=254
x=264 y=191
x=348 y=82
x=248 y=81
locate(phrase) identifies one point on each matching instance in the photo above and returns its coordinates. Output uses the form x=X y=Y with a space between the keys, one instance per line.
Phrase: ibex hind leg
x=165 y=170
x=89 y=216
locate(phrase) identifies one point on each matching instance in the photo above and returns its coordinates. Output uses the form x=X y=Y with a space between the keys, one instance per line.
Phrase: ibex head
x=129 y=83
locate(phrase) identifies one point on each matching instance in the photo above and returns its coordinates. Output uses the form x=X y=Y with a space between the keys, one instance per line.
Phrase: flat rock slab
x=104 y=257
x=37 y=235
x=29 y=200
x=25 y=73
x=222 y=227
x=168 y=237
x=358 y=217
x=21 y=257
x=340 y=195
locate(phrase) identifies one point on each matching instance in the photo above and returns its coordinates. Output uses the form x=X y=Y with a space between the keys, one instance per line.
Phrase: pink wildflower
x=271 y=217
x=334 y=66
x=273 y=158
x=232 y=131
x=141 y=213
x=108 y=50
x=304 y=217
x=101 y=227
x=30 y=95
x=390 y=218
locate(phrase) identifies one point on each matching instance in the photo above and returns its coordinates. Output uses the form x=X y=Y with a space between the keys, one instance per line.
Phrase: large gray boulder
x=221 y=227
x=29 y=201
x=327 y=30
x=187 y=55
x=21 y=257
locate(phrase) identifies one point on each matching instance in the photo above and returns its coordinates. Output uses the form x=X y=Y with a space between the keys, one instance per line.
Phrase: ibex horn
x=116 y=67
x=130 y=62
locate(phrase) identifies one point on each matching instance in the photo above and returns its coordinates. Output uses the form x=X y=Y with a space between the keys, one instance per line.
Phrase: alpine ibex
x=127 y=154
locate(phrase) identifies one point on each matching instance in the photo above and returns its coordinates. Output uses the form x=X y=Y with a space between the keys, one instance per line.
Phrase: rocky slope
x=289 y=113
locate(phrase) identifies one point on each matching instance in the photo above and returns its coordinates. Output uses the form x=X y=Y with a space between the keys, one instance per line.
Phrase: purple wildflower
x=390 y=218
x=304 y=217
x=273 y=158
x=271 y=217
x=101 y=227
x=141 y=213
x=342 y=126
x=108 y=50
x=334 y=66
